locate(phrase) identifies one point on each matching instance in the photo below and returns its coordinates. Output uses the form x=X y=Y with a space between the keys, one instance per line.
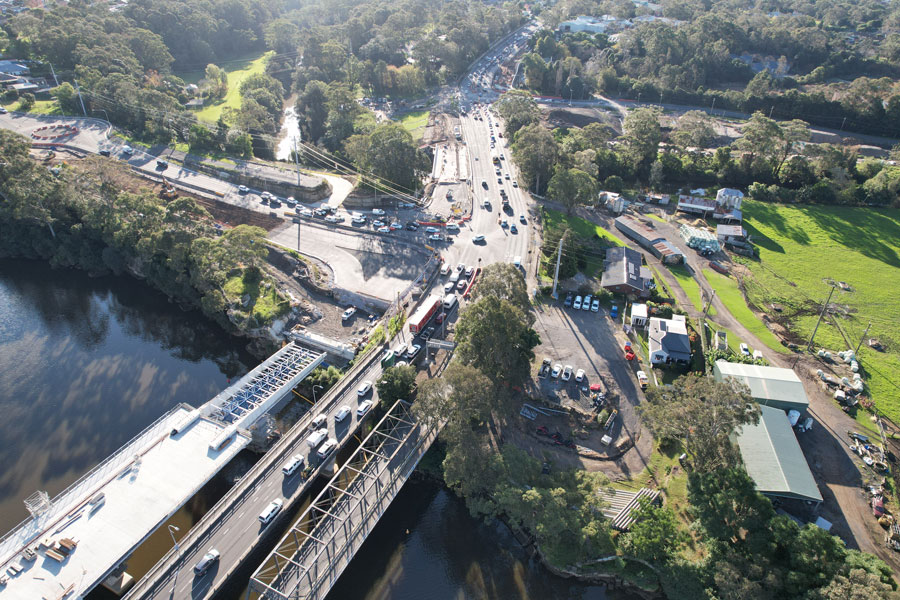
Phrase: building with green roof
x=770 y=386
x=774 y=460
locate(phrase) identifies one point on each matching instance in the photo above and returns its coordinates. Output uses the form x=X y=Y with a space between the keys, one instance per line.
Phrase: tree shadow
x=769 y=214
x=869 y=231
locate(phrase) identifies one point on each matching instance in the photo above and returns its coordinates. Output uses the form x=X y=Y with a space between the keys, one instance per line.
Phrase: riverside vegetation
x=85 y=216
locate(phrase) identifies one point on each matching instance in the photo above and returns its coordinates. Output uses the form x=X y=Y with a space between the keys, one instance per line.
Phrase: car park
x=364 y=388
x=292 y=465
x=327 y=448
x=317 y=438
x=342 y=413
x=270 y=511
x=557 y=369
x=206 y=562
x=579 y=375
x=363 y=407
x=567 y=373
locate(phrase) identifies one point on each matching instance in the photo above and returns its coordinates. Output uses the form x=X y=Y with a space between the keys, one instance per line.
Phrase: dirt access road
x=839 y=473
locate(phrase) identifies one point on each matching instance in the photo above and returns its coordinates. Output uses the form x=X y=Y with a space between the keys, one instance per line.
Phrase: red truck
x=426 y=310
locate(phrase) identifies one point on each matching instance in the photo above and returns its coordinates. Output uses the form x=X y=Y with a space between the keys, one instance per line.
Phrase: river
x=86 y=363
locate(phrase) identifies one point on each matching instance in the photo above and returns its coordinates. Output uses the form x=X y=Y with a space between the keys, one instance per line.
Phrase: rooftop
x=622 y=266
x=773 y=457
x=765 y=383
x=671 y=336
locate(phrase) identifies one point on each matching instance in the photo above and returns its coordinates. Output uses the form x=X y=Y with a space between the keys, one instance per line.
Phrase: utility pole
x=55 y=80
x=859 y=345
x=558 y=260
x=78 y=90
x=821 y=314
x=709 y=303
x=297 y=162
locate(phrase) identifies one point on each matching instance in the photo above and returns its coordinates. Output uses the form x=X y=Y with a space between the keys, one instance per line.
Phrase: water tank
x=793 y=417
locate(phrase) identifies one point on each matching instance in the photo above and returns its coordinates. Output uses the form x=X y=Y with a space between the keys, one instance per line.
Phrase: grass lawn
x=40 y=107
x=237 y=71
x=656 y=217
x=584 y=228
x=265 y=304
x=690 y=286
x=728 y=292
x=414 y=123
x=799 y=246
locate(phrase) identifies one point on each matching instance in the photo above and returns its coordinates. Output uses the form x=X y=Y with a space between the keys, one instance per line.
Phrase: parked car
x=745 y=350
x=384 y=229
x=579 y=375
x=595 y=305
x=757 y=354
x=377 y=223
x=469 y=272
x=462 y=285
x=410 y=226
x=363 y=407
x=431 y=229
x=348 y=313
x=477 y=239
x=577 y=304
x=364 y=388
x=342 y=414
x=128 y=150
x=586 y=303
x=642 y=379
x=206 y=562
x=377 y=211
x=514 y=229
x=522 y=220
x=435 y=237
x=557 y=369
x=270 y=511
x=395 y=226
x=568 y=301
x=567 y=373
x=614 y=311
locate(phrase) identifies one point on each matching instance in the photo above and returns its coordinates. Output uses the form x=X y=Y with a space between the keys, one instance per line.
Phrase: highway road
x=237 y=529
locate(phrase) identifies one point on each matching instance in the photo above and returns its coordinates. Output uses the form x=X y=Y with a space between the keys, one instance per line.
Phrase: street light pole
x=321 y=387
x=172 y=530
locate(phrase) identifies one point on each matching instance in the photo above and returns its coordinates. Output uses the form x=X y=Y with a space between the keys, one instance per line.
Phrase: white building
x=638 y=315
x=729 y=198
x=603 y=24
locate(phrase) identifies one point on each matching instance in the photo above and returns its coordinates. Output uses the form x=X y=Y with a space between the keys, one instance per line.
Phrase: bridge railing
x=237 y=494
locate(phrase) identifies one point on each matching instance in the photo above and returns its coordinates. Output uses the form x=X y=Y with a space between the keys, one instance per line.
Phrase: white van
x=270 y=511
x=454 y=276
x=445 y=269
x=449 y=301
x=292 y=465
x=317 y=438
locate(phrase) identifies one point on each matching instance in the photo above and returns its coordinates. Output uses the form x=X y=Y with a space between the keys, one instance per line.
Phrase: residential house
x=729 y=198
x=669 y=342
x=623 y=273
x=14 y=67
x=638 y=315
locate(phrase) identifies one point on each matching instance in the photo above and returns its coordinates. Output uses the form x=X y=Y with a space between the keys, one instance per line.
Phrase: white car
x=364 y=407
x=757 y=354
x=271 y=510
x=448 y=287
x=384 y=229
x=358 y=220
x=477 y=239
x=318 y=422
x=364 y=388
x=567 y=373
x=243 y=189
x=292 y=465
x=377 y=211
x=435 y=237
x=579 y=375
x=557 y=369
x=342 y=414
x=348 y=313
x=745 y=350
x=595 y=305
x=642 y=379
x=128 y=150
x=431 y=229
x=577 y=304
x=327 y=448
x=586 y=303
x=334 y=219
x=413 y=351
x=305 y=212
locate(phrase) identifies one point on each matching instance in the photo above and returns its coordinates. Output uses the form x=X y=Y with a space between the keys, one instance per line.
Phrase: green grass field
x=690 y=286
x=237 y=71
x=414 y=123
x=730 y=294
x=40 y=107
x=582 y=227
x=801 y=246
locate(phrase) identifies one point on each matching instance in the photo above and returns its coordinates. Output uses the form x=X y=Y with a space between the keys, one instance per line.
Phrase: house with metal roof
x=774 y=460
x=668 y=341
x=770 y=386
x=623 y=273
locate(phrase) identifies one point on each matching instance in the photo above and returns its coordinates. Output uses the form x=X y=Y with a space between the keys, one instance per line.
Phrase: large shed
x=770 y=386
x=774 y=460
